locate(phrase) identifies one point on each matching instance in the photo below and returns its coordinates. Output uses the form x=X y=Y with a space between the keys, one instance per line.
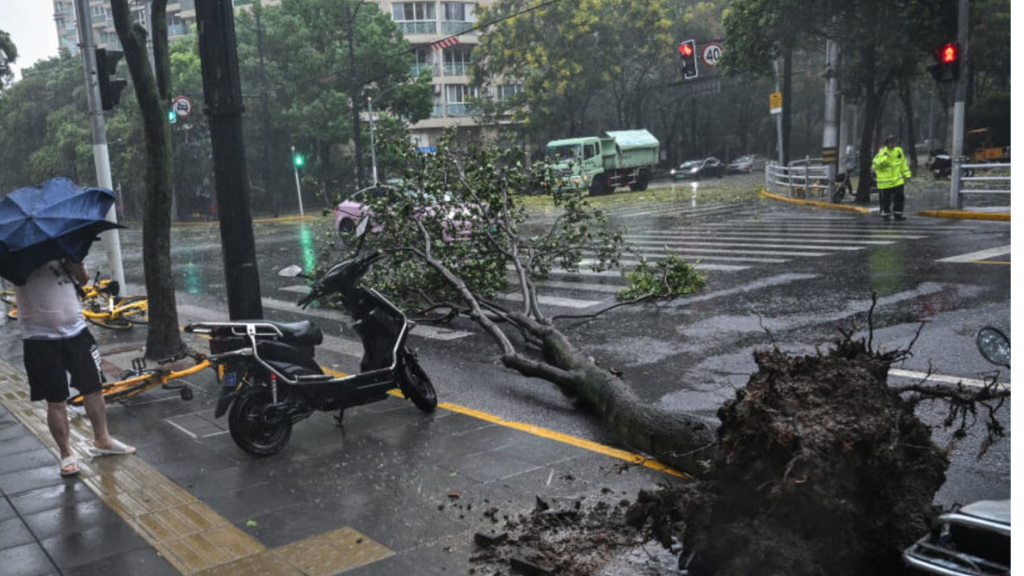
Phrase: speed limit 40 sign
x=711 y=54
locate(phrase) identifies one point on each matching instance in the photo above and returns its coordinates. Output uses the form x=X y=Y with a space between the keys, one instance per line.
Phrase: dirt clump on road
x=821 y=469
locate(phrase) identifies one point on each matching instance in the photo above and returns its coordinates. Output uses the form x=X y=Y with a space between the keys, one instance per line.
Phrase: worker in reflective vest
x=891 y=171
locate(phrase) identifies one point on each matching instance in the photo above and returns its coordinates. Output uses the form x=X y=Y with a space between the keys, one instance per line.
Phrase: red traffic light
x=686 y=49
x=949 y=54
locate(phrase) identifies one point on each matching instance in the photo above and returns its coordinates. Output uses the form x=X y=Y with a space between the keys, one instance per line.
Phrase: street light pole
x=373 y=142
x=298 y=187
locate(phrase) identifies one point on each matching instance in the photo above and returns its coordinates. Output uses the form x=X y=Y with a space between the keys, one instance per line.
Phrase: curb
x=815 y=203
x=963 y=215
x=255 y=221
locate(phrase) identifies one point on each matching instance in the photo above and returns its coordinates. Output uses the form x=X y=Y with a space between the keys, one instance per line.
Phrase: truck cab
x=576 y=160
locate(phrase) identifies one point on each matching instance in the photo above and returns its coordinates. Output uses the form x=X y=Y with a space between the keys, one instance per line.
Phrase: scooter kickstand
x=338 y=419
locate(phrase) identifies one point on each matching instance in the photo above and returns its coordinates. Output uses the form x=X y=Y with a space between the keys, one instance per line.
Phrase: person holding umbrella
x=45 y=233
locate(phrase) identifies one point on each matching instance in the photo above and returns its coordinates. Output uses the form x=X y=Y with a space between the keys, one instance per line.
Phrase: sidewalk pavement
x=394 y=492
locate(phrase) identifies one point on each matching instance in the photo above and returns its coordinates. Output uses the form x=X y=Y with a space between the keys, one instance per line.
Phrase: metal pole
x=373 y=144
x=268 y=165
x=958 y=107
x=298 y=187
x=931 y=107
x=222 y=89
x=778 y=117
x=110 y=239
x=830 y=135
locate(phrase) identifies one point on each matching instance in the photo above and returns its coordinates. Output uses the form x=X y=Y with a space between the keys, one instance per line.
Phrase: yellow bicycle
x=101 y=306
x=141 y=378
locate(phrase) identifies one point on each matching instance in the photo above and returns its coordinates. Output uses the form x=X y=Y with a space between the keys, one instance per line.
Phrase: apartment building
x=181 y=14
x=424 y=24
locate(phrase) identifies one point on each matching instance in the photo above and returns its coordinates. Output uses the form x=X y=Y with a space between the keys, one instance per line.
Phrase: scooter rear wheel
x=250 y=428
x=416 y=385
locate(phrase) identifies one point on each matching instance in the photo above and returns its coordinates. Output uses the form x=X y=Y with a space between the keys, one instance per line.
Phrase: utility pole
x=778 y=117
x=830 y=136
x=110 y=239
x=958 y=106
x=298 y=185
x=373 y=143
x=354 y=89
x=222 y=89
x=268 y=170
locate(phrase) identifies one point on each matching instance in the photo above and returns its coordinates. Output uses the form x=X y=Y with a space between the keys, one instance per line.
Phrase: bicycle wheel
x=134 y=309
x=118 y=391
x=105 y=321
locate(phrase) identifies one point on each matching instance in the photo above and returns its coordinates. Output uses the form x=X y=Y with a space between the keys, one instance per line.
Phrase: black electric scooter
x=275 y=382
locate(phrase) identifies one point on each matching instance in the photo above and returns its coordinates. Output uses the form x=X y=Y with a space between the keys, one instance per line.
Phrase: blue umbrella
x=56 y=219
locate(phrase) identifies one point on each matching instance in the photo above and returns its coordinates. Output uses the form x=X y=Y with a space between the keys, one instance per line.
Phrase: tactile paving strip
x=187 y=532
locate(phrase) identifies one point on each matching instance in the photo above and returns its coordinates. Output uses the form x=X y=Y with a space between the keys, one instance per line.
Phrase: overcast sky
x=30 y=24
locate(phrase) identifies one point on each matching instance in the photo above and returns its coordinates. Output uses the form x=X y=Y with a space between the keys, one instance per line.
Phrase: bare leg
x=57 y=420
x=96 y=408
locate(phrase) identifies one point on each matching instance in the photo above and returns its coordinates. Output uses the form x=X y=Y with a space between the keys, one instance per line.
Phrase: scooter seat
x=303 y=333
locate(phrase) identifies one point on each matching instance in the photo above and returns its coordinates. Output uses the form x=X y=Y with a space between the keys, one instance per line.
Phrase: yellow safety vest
x=890 y=167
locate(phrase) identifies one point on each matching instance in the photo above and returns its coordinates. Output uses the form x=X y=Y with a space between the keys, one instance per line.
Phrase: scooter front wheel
x=416 y=385
x=254 y=428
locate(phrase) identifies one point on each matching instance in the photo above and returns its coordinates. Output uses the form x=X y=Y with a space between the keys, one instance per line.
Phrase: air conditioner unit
x=437 y=89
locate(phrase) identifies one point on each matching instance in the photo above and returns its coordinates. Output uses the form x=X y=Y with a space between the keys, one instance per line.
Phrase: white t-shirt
x=48 y=307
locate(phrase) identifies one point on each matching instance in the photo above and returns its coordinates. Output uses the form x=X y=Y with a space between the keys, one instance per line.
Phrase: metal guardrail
x=963 y=180
x=797 y=180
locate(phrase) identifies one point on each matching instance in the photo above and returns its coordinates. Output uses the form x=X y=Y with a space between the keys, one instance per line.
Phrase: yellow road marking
x=1003 y=262
x=630 y=457
x=815 y=203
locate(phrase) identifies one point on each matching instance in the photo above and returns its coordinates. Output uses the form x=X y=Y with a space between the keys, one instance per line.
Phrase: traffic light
x=110 y=87
x=172 y=117
x=947 y=62
x=298 y=160
x=688 y=54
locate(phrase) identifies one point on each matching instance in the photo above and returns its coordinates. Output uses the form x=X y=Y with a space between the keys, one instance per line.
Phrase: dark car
x=746 y=164
x=697 y=169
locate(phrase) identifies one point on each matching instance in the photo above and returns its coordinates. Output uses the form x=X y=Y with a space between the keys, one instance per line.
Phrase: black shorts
x=48 y=363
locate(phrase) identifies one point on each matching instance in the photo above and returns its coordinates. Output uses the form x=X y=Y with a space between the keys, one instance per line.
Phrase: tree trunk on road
x=163 y=337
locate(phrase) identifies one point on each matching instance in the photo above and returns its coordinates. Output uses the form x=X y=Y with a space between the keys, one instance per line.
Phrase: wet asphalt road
x=790 y=271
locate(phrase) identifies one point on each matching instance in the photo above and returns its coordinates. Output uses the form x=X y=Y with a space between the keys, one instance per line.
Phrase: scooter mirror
x=290 y=272
x=994 y=346
x=361 y=228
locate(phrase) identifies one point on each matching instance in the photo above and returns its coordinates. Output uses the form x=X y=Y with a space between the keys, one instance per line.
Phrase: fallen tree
x=459 y=233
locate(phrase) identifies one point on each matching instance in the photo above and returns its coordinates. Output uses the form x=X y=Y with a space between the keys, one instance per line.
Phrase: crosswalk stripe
x=421 y=330
x=617 y=274
x=942 y=378
x=787 y=227
x=706 y=252
x=694 y=257
x=979 y=255
x=781 y=236
x=638 y=239
x=738 y=244
x=553 y=301
x=581 y=286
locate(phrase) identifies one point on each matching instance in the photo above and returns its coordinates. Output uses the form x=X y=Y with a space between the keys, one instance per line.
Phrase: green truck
x=602 y=164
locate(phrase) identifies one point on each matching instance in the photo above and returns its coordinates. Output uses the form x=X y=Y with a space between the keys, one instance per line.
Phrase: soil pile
x=821 y=469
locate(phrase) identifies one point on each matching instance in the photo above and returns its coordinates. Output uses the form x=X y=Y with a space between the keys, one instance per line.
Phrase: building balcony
x=418 y=27
x=461 y=109
x=416 y=69
x=177 y=30
x=438 y=111
x=449 y=27
x=456 y=68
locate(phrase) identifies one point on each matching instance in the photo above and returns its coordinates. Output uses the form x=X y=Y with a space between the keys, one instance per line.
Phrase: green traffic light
x=299 y=160
x=171 y=116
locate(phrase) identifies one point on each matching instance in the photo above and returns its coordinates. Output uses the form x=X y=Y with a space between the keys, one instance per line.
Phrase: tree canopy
x=8 y=55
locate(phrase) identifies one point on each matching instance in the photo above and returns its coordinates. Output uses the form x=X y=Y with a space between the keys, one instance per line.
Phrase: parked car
x=696 y=169
x=745 y=164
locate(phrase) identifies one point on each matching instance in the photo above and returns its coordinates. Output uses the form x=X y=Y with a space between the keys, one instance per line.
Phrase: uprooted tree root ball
x=822 y=468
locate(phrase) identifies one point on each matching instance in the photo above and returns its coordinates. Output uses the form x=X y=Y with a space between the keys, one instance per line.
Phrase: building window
x=458 y=17
x=457 y=96
x=457 y=61
x=508 y=92
x=424 y=61
x=415 y=17
x=60 y=7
